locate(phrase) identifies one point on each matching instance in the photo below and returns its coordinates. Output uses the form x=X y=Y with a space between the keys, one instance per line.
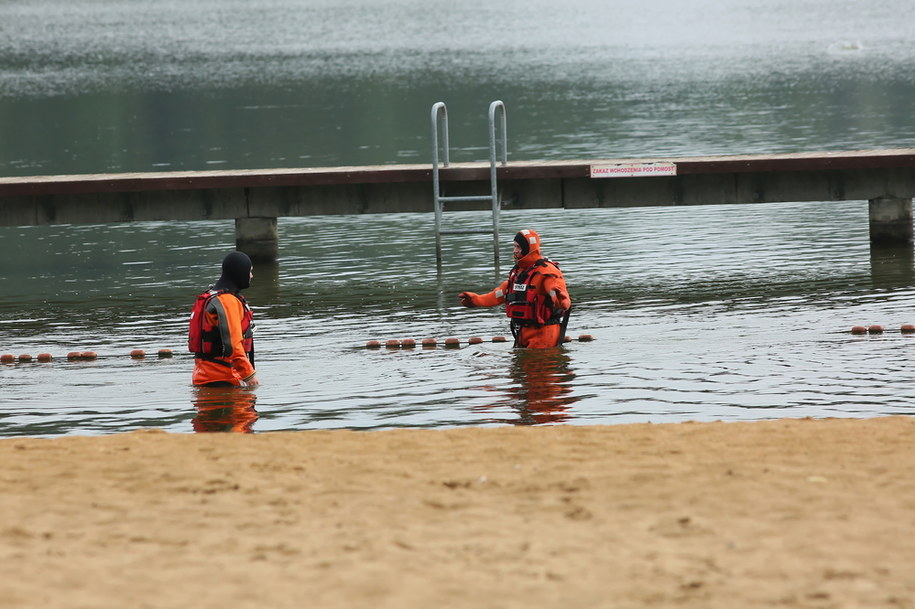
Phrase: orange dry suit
x=535 y=297
x=229 y=341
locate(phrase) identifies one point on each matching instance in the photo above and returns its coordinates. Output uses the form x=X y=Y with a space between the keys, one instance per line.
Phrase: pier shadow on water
x=892 y=266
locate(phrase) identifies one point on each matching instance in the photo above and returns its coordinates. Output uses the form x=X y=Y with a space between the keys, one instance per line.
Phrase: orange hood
x=529 y=241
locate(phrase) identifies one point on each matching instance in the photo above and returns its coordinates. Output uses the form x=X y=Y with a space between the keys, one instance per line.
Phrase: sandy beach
x=787 y=513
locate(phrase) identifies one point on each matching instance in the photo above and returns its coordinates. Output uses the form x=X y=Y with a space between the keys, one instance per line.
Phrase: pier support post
x=890 y=220
x=258 y=238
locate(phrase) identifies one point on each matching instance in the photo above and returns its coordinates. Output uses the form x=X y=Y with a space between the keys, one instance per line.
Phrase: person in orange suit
x=224 y=351
x=535 y=296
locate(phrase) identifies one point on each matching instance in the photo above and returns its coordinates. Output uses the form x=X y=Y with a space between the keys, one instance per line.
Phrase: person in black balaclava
x=221 y=333
x=236 y=273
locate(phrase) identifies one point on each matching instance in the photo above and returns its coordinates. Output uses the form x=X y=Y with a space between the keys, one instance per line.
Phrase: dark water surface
x=91 y=86
x=708 y=313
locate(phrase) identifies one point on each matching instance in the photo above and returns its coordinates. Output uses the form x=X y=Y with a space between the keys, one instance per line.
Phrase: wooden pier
x=885 y=179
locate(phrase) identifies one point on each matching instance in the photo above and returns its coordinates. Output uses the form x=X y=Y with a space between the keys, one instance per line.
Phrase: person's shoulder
x=549 y=265
x=230 y=298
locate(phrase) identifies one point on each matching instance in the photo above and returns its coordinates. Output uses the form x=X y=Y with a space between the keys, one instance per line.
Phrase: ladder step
x=468 y=199
x=466 y=231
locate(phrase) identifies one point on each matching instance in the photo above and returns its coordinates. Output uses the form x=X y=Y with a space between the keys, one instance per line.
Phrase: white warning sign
x=633 y=170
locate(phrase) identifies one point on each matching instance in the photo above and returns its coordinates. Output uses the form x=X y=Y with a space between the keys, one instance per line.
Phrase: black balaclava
x=521 y=240
x=236 y=272
x=529 y=241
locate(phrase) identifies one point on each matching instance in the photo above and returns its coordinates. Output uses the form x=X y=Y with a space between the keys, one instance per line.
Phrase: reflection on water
x=541 y=387
x=224 y=409
x=721 y=312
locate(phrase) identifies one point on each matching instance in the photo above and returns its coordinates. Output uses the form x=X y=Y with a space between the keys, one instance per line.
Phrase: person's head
x=237 y=272
x=526 y=241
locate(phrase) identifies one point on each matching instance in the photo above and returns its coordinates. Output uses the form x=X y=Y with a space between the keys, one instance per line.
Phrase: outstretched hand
x=467 y=299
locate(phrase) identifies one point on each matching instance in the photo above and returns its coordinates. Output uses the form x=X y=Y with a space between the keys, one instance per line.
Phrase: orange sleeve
x=492 y=299
x=235 y=312
x=555 y=287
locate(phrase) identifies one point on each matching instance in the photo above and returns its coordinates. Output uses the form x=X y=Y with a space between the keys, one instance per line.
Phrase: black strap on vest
x=563 y=325
x=210 y=358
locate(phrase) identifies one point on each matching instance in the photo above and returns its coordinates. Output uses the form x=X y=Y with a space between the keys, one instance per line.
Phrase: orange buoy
x=72 y=355
x=429 y=343
x=875 y=329
x=138 y=353
x=499 y=339
x=452 y=342
x=165 y=352
x=474 y=340
x=585 y=338
x=373 y=344
x=88 y=355
x=7 y=358
x=25 y=357
x=392 y=344
x=408 y=343
x=907 y=328
x=858 y=330
x=44 y=357
x=566 y=339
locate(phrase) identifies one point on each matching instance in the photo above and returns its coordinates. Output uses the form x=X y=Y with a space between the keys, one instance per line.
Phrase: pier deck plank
x=388 y=174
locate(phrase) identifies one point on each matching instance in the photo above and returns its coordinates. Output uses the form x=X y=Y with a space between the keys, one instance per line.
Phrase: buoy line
x=879 y=329
x=450 y=343
x=25 y=358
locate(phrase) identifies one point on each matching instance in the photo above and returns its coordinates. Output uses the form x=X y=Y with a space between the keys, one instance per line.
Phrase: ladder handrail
x=438 y=110
x=439 y=116
x=496 y=201
x=493 y=107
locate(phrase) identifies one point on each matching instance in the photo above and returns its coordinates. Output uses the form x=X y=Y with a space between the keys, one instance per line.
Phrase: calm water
x=89 y=86
x=706 y=313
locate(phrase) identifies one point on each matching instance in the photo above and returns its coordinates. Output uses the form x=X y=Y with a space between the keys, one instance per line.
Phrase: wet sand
x=787 y=513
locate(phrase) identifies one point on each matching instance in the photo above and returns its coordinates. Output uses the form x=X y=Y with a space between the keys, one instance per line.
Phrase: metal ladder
x=440 y=111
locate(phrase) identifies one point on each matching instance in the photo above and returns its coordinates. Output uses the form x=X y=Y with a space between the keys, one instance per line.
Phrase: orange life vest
x=525 y=303
x=205 y=339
